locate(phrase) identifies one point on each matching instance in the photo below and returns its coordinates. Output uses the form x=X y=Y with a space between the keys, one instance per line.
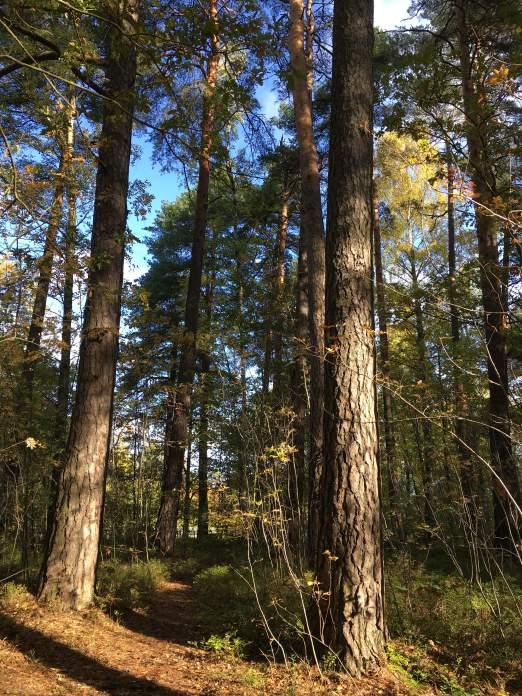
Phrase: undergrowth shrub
x=14 y=595
x=475 y=628
x=193 y=556
x=129 y=584
x=185 y=568
x=227 y=645
x=229 y=605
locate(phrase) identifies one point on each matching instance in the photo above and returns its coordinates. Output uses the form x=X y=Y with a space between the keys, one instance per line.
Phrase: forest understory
x=189 y=628
x=261 y=347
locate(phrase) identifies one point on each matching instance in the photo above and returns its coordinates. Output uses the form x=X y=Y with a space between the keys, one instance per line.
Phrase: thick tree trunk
x=68 y=573
x=349 y=554
x=506 y=495
x=177 y=425
x=384 y=354
x=313 y=230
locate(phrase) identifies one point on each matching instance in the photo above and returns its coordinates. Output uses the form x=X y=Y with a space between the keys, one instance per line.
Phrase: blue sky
x=167 y=186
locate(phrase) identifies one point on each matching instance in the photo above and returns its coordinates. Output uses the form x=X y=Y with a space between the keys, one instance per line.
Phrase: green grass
x=129 y=584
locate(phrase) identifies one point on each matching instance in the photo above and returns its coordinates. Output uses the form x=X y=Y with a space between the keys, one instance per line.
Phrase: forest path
x=147 y=652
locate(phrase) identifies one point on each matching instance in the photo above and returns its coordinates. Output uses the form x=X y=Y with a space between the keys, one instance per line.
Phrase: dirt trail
x=48 y=653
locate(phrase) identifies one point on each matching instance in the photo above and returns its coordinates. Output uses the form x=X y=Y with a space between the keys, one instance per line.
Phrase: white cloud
x=390 y=13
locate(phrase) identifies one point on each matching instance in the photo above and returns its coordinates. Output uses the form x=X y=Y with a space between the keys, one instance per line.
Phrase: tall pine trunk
x=68 y=573
x=426 y=444
x=349 y=556
x=204 y=420
x=279 y=289
x=45 y=265
x=313 y=230
x=507 y=496
x=177 y=425
x=203 y=451
x=384 y=355
x=297 y=482
x=64 y=370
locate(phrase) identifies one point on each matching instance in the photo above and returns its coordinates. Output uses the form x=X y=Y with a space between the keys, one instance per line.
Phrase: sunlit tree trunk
x=68 y=573
x=313 y=230
x=177 y=425
x=349 y=554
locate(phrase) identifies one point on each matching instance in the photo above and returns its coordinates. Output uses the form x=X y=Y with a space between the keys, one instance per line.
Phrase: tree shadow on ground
x=76 y=665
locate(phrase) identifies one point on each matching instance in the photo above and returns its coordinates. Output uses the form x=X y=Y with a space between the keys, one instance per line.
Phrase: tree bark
x=313 y=230
x=177 y=426
x=349 y=556
x=68 y=573
x=507 y=498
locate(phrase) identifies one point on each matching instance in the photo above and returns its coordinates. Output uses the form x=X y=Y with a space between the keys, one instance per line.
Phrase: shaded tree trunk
x=349 y=558
x=297 y=483
x=177 y=425
x=507 y=496
x=461 y=408
x=279 y=289
x=313 y=230
x=68 y=573
x=188 y=485
x=427 y=449
x=34 y=336
x=64 y=372
x=384 y=354
x=203 y=451
x=204 y=420
x=240 y=240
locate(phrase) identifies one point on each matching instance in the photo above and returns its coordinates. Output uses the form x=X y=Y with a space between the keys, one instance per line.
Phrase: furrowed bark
x=68 y=573
x=350 y=593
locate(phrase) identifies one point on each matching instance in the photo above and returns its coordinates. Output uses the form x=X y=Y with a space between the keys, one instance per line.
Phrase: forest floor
x=190 y=628
x=149 y=651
